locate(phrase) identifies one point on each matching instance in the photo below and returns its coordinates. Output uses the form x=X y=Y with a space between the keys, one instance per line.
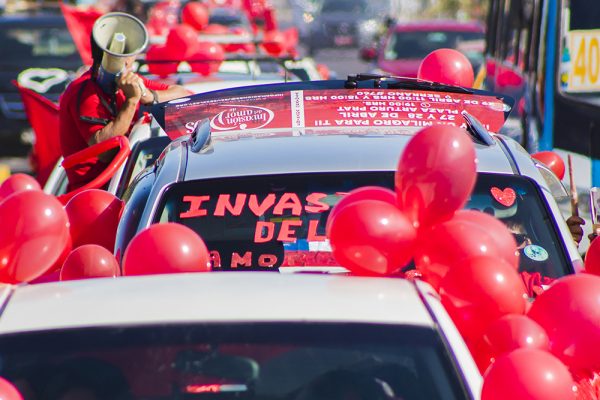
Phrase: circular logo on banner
x=535 y=252
x=242 y=117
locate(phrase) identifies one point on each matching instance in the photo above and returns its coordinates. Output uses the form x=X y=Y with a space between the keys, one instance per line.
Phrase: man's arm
x=129 y=83
x=172 y=92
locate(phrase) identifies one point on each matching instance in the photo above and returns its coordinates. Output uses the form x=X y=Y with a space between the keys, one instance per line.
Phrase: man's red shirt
x=84 y=110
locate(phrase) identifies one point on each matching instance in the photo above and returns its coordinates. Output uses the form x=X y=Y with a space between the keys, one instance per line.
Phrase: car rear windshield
x=233 y=361
x=38 y=46
x=417 y=44
x=264 y=222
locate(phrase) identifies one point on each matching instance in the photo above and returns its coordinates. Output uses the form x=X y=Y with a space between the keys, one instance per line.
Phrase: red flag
x=43 y=117
x=80 y=23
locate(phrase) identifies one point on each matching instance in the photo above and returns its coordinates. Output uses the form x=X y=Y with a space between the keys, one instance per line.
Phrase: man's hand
x=131 y=85
x=575 y=224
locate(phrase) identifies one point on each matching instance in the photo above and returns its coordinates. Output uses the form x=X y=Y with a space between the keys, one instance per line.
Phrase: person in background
x=575 y=224
x=89 y=115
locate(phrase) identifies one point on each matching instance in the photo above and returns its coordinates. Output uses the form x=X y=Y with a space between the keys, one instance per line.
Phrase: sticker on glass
x=535 y=252
x=506 y=197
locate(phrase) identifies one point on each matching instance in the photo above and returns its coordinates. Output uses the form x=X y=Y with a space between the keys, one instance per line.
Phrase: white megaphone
x=119 y=35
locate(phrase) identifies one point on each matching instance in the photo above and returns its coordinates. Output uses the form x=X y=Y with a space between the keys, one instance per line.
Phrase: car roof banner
x=299 y=111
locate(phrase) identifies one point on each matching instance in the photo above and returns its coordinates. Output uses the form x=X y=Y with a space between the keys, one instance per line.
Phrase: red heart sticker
x=506 y=197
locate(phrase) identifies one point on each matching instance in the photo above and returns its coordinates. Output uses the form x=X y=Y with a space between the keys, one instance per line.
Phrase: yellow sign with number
x=584 y=74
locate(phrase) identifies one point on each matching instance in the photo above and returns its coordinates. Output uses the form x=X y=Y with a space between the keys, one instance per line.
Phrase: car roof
x=217 y=297
x=314 y=154
x=450 y=25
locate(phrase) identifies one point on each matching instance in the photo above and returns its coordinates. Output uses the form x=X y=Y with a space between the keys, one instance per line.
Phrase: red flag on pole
x=43 y=118
x=80 y=23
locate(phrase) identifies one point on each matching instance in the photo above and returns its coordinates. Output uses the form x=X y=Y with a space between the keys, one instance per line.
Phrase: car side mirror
x=368 y=54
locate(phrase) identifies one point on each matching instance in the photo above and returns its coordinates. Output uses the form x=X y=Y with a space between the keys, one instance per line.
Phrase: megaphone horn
x=119 y=35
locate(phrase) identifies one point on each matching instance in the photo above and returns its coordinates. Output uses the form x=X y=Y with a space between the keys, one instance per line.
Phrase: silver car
x=255 y=171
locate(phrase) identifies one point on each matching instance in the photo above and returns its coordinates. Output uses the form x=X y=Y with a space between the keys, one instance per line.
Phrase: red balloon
x=210 y=56
x=452 y=242
x=8 y=391
x=164 y=249
x=216 y=29
x=552 y=161
x=61 y=260
x=435 y=175
x=504 y=240
x=243 y=46
x=530 y=374
x=195 y=14
x=156 y=56
x=371 y=237
x=274 y=43
x=512 y=332
x=569 y=311
x=479 y=291
x=447 y=66
x=361 y=193
x=90 y=261
x=35 y=235
x=53 y=276
x=182 y=42
x=592 y=258
x=17 y=183
x=94 y=216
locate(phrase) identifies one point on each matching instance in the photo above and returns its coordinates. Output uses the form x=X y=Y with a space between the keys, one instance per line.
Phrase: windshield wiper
x=396 y=82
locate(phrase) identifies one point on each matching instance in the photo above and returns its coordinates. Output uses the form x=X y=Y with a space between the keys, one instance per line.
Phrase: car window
x=229 y=18
x=143 y=155
x=38 y=46
x=284 y=361
x=278 y=221
x=417 y=44
x=135 y=198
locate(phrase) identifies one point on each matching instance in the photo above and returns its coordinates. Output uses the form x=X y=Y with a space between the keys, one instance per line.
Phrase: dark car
x=38 y=51
x=406 y=44
x=345 y=23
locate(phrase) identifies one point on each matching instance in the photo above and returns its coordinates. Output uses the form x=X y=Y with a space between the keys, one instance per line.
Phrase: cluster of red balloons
x=53 y=242
x=35 y=238
x=471 y=258
x=183 y=45
x=50 y=241
x=163 y=15
x=553 y=348
x=182 y=42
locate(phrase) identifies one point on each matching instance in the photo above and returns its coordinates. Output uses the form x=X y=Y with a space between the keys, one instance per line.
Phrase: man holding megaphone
x=104 y=102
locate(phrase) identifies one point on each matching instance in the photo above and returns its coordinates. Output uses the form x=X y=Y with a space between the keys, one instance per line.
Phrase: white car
x=236 y=335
